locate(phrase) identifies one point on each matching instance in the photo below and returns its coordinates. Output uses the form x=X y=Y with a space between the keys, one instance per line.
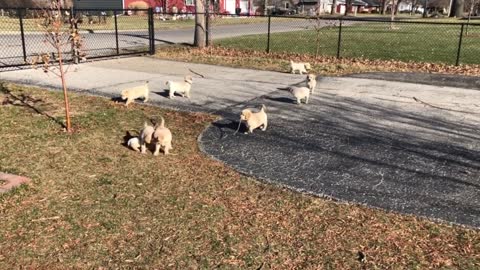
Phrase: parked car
x=283 y=11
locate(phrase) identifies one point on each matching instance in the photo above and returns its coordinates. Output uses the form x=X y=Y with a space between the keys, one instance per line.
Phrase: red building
x=222 y=6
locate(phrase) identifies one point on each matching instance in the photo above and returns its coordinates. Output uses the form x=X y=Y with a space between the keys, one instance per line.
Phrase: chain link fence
x=122 y=32
x=104 y=34
x=450 y=43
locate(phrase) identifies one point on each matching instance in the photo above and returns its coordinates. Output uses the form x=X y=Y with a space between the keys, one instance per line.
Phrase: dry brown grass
x=325 y=65
x=94 y=203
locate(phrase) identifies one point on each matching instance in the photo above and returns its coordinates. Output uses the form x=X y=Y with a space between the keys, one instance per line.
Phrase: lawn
x=406 y=42
x=94 y=203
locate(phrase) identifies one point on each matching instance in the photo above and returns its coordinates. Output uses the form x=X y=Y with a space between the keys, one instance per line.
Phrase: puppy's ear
x=247 y=114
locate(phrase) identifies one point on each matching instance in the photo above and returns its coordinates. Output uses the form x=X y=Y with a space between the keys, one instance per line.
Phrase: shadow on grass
x=27 y=101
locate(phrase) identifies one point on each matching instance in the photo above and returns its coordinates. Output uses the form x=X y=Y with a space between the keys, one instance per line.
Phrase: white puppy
x=311 y=82
x=146 y=136
x=134 y=143
x=162 y=137
x=255 y=120
x=300 y=67
x=300 y=93
x=182 y=88
x=133 y=93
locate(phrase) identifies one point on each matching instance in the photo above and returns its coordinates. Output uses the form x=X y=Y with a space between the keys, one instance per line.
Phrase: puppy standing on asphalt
x=255 y=120
x=146 y=137
x=300 y=93
x=182 y=88
x=162 y=137
x=311 y=82
x=133 y=93
x=300 y=67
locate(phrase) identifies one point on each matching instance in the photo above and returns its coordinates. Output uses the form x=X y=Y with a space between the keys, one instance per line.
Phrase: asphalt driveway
x=397 y=147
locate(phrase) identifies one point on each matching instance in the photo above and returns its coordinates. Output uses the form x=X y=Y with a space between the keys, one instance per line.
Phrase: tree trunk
x=384 y=7
x=396 y=6
x=200 y=31
x=459 y=7
x=348 y=3
x=334 y=7
x=392 y=14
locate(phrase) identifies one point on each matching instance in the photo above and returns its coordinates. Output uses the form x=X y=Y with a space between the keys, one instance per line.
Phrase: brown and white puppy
x=300 y=67
x=162 y=137
x=311 y=82
x=146 y=137
x=255 y=120
x=183 y=88
x=300 y=93
x=130 y=94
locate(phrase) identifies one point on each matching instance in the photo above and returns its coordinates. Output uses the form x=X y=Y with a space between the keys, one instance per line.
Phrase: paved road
x=104 y=43
x=359 y=140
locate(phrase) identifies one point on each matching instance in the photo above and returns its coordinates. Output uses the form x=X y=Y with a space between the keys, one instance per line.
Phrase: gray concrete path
x=407 y=147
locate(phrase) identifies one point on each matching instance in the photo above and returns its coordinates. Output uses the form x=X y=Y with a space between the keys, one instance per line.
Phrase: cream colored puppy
x=134 y=143
x=311 y=82
x=300 y=93
x=146 y=137
x=300 y=67
x=133 y=93
x=183 y=88
x=162 y=137
x=255 y=120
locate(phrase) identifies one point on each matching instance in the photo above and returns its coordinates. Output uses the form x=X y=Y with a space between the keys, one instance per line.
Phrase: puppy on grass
x=134 y=143
x=130 y=94
x=311 y=82
x=299 y=67
x=255 y=120
x=300 y=93
x=162 y=137
x=146 y=137
x=183 y=88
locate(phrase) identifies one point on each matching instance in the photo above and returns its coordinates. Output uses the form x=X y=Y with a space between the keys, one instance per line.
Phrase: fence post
x=459 y=45
x=339 y=38
x=207 y=26
x=268 y=33
x=116 y=31
x=22 y=33
x=151 y=30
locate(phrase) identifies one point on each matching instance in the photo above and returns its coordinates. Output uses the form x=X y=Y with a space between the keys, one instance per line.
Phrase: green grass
x=95 y=204
x=407 y=42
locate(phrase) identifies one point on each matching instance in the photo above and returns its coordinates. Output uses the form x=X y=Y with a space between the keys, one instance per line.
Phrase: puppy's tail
x=145 y=125
x=162 y=123
x=291 y=62
x=167 y=83
x=264 y=108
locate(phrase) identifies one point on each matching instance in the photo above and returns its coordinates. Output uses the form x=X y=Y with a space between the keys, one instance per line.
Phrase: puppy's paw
x=156 y=153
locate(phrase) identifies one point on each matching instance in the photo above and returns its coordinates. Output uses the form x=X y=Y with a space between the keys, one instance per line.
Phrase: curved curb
x=13 y=181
